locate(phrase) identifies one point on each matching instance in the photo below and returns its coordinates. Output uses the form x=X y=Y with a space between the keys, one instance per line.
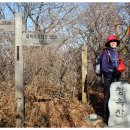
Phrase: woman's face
x=113 y=44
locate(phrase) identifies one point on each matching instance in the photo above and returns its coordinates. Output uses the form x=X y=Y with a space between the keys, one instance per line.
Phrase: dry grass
x=42 y=109
x=58 y=113
x=7 y=110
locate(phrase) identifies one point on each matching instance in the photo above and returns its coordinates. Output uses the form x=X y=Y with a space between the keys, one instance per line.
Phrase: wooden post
x=19 y=90
x=84 y=72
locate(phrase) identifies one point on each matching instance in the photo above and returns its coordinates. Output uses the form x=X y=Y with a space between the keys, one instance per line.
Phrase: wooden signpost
x=128 y=31
x=19 y=89
x=84 y=73
x=26 y=39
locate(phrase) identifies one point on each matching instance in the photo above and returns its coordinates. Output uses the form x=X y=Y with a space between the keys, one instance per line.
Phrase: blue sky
x=64 y=0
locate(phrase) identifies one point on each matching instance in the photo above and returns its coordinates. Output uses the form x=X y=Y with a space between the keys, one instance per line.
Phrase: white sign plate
x=38 y=39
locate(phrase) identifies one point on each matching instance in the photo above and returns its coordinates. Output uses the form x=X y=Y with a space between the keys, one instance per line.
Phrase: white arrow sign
x=38 y=39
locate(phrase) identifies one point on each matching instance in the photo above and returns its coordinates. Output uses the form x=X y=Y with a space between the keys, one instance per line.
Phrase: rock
x=119 y=105
x=93 y=120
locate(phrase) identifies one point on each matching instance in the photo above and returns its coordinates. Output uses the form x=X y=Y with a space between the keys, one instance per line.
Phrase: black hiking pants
x=106 y=85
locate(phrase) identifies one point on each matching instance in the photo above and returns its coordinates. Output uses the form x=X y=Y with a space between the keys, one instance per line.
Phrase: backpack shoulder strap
x=107 y=54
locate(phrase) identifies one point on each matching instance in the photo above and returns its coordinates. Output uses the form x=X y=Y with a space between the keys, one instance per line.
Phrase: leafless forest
x=53 y=74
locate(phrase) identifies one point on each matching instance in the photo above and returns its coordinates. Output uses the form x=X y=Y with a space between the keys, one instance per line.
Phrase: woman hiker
x=112 y=67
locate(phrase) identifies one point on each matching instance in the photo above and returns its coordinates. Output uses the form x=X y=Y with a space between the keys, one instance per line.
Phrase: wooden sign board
x=39 y=39
x=6 y=25
x=7 y=28
x=6 y=22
